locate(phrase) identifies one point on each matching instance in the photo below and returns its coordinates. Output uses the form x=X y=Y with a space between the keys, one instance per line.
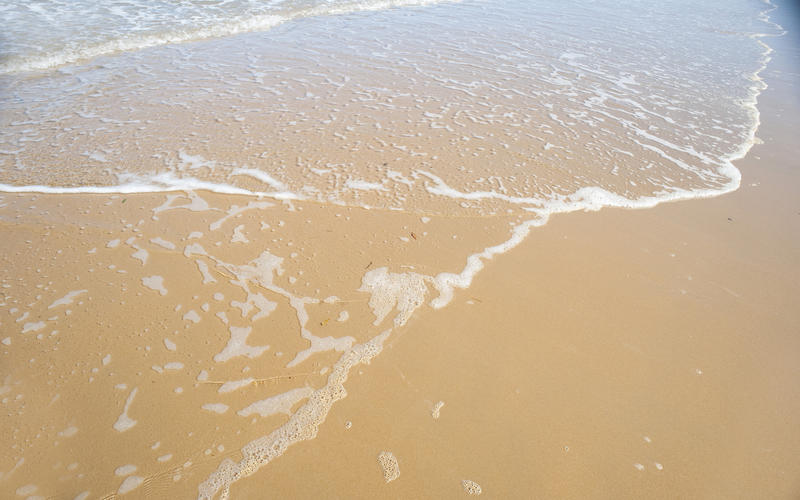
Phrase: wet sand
x=618 y=354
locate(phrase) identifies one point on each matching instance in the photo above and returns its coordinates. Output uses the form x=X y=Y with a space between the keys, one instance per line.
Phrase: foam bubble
x=436 y=409
x=471 y=487
x=402 y=292
x=389 y=466
x=303 y=424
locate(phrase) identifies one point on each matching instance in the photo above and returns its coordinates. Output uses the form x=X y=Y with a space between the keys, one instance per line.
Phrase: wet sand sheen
x=618 y=354
x=642 y=354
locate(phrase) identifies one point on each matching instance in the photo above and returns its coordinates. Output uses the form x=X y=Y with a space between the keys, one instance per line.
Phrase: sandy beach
x=177 y=344
x=645 y=354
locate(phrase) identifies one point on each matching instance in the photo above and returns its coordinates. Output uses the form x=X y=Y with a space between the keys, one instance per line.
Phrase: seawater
x=522 y=103
x=484 y=110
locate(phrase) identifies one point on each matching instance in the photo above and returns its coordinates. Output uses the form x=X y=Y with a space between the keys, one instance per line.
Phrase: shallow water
x=488 y=103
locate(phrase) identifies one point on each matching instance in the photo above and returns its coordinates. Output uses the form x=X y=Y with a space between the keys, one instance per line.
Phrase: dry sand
x=619 y=354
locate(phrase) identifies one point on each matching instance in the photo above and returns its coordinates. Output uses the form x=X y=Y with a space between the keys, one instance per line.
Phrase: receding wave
x=130 y=41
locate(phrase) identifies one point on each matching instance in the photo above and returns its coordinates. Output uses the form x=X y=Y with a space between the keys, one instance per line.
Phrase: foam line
x=159 y=183
x=258 y=22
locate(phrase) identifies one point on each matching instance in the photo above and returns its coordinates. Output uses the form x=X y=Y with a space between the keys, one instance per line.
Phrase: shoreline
x=662 y=338
x=551 y=336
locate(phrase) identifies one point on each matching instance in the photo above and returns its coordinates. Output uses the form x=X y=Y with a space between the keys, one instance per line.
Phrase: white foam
x=163 y=243
x=436 y=409
x=214 y=27
x=27 y=490
x=194 y=249
x=192 y=316
x=170 y=345
x=124 y=422
x=238 y=235
x=216 y=407
x=159 y=183
x=33 y=327
x=237 y=346
x=261 y=176
x=471 y=487
x=196 y=203
x=155 y=283
x=404 y=292
x=69 y=431
x=125 y=470
x=282 y=403
x=67 y=299
x=236 y=210
x=235 y=385
x=302 y=425
x=364 y=185
x=129 y=484
x=389 y=465
x=141 y=254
